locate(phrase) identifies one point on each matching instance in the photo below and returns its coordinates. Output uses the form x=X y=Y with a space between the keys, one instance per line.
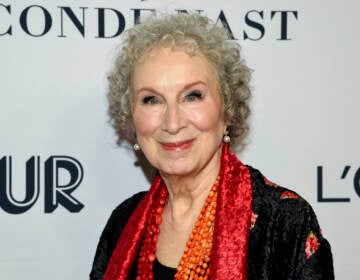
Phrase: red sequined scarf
x=231 y=229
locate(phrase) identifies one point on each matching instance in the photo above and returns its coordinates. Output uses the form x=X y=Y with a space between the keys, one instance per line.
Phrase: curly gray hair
x=193 y=33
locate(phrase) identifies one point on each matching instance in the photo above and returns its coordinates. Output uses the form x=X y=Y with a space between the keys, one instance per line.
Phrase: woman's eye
x=193 y=96
x=152 y=100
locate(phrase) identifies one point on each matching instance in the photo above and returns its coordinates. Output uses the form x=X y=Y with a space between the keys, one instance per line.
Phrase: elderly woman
x=179 y=94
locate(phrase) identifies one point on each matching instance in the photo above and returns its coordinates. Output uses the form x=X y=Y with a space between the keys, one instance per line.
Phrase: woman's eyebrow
x=146 y=88
x=185 y=87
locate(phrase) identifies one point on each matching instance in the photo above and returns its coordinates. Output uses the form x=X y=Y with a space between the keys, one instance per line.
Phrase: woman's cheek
x=146 y=122
x=205 y=119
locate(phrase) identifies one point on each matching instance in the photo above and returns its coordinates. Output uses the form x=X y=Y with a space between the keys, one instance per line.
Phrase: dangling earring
x=136 y=147
x=227 y=138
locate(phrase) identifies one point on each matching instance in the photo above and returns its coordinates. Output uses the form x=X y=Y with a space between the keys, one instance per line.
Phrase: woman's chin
x=180 y=170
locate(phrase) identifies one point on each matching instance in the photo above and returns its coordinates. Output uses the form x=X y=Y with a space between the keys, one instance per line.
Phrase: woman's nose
x=173 y=120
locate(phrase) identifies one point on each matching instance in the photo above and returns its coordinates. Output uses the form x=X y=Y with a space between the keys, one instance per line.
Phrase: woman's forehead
x=167 y=61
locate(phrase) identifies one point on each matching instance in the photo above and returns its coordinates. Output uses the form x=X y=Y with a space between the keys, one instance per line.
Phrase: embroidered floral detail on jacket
x=270 y=183
x=253 y=219
x=311 y=245
x=288 y=194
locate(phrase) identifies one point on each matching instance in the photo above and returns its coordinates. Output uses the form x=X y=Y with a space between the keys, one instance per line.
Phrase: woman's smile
x=177 y=146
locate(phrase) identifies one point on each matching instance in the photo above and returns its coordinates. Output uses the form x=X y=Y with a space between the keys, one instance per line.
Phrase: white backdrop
x=52 y=103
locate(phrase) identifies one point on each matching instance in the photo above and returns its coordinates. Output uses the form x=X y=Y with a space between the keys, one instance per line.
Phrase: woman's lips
x=177 y=146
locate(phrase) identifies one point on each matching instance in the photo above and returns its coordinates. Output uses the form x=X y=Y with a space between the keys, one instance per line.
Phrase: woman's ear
x=225 y=129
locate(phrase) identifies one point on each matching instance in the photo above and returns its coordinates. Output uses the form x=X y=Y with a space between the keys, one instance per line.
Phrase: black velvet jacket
x=285 y=238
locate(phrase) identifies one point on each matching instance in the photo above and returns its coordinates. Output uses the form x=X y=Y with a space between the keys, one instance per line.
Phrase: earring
x=136 y=147
x=227 y=138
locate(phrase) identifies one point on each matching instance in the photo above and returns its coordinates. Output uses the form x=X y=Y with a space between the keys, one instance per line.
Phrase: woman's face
x=178 y=112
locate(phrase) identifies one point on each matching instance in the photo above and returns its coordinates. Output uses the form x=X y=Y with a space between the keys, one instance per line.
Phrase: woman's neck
x=187 y=194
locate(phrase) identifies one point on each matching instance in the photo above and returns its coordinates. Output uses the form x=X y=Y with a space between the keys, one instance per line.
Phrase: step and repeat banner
x=61 y=173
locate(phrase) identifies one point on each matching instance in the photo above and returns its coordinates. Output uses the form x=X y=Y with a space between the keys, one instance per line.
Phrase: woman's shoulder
x=125 y=208
x=283 y=210
x=111 y=233
x=285 y=224
x=121 y=214
x=269 y=194
x=285 y=207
